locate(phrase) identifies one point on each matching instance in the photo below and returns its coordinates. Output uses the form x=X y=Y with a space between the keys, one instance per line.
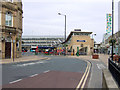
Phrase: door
x=7 y=49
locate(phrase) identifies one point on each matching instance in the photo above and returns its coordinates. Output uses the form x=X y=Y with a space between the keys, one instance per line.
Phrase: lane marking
x=100 y=66
x=84 y=77
x=15 y=81
x=46 y=71
x=34 y=75
x=28 y=64
x=32 y=63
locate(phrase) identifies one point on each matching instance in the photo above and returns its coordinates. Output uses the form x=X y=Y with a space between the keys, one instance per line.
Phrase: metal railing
x=114 y=67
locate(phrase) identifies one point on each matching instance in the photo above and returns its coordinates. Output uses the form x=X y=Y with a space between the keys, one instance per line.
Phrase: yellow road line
x=84 y=77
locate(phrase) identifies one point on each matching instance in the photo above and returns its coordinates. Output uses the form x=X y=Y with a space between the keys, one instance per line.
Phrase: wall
x=89 y=43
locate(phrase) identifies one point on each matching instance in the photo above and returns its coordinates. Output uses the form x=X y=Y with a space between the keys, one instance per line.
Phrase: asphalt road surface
x=58 y=72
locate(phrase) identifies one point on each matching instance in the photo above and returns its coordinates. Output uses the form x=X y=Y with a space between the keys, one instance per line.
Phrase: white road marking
x=100 y=66
x=34 y=75
x=15 y=81
x=27 y=64
x=46 y=71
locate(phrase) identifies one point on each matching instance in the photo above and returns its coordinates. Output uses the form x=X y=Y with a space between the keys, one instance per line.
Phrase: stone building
x=10 y=28
x=80 y=41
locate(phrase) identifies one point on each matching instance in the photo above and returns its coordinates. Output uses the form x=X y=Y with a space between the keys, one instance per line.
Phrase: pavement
x=22 y=59
x=102 y=57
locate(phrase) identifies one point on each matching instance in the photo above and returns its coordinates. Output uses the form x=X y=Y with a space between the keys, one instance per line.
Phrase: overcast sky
x=41 y=16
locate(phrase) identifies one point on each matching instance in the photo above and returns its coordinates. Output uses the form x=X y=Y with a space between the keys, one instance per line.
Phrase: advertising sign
x=109 y=23
x=81 y=40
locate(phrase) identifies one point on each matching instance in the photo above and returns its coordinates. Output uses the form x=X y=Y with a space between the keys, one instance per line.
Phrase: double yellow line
x=84 y=77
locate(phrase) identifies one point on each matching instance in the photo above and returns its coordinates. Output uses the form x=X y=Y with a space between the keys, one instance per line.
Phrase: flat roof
x=45 y=36
x=69 y=36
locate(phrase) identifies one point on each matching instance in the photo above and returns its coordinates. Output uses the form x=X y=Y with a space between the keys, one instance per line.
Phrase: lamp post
x=93 y=44
x=65 y=32
x=112 y=27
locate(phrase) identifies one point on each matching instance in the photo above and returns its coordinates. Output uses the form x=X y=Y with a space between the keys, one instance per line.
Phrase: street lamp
x=65 y=32
x=112 y=26
x=93 y=43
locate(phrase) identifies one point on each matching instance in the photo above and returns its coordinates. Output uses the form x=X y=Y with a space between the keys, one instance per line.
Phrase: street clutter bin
x=95 y=56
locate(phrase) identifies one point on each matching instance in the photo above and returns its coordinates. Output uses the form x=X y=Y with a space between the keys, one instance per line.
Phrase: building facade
x=119 y=16
x=29 y=42
x=11 y=28
x=119 y=26
x=106 y=45
x=81 y=42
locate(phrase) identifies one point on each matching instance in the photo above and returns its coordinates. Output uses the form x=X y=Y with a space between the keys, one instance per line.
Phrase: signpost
x=13 y=49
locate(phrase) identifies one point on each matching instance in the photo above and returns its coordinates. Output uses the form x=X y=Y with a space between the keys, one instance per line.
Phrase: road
x=58 y=72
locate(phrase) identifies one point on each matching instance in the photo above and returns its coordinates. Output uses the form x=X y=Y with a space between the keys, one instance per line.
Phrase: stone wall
x=88 y=43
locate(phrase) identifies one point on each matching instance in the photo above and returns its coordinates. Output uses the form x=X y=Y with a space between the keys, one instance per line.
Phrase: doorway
x=7 y=49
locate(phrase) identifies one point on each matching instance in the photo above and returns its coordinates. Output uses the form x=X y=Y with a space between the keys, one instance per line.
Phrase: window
x=8 y=19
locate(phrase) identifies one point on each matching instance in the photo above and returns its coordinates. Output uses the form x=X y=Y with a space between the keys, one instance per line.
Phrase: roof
x=45 y=36
x=69 y=36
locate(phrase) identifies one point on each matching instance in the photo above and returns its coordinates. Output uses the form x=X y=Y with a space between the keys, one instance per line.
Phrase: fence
x=114 y=68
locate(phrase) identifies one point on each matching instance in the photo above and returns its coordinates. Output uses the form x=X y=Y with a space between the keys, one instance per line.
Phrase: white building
x=42 y=41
